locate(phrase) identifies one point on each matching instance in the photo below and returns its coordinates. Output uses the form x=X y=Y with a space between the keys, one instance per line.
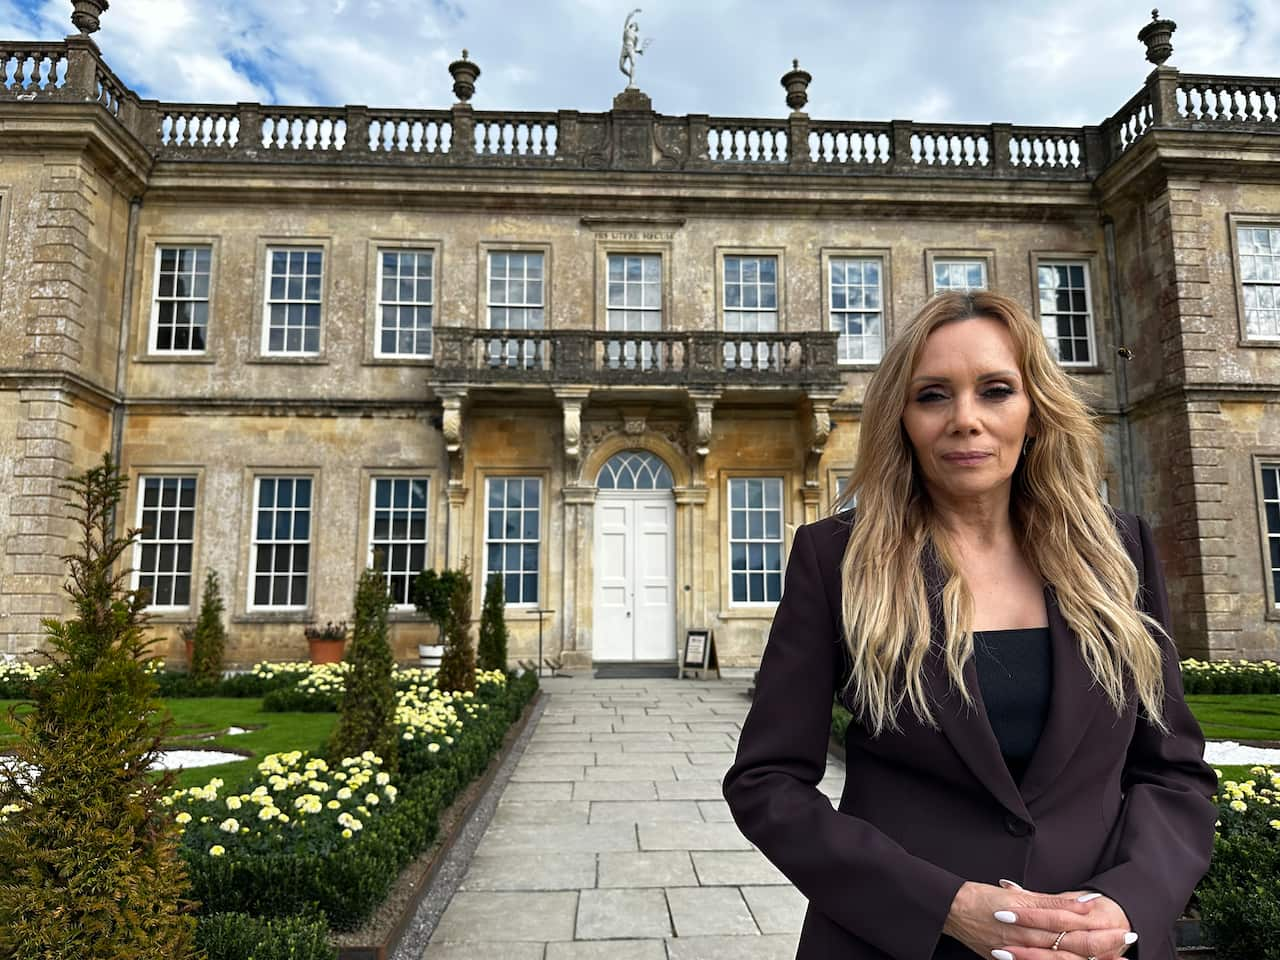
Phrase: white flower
x=229 y=825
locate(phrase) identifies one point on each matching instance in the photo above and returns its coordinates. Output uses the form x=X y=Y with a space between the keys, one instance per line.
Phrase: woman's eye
x=927 y=397
x=994 y=393
x=999 y=393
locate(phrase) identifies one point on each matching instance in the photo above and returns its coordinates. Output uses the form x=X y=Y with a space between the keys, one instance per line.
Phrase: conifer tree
x=491 y=654
x=367 y=710
x=458 y=660
x=209 y=638
x=88 y=854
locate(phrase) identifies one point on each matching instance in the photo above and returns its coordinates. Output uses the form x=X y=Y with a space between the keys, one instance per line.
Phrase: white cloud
x=1008 y=61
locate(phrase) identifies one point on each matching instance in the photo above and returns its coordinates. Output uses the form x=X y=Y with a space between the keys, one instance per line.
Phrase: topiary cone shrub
x=367 y=707
x=458 y=660
x=209 y=638
x=491 y=653
x=88 y=855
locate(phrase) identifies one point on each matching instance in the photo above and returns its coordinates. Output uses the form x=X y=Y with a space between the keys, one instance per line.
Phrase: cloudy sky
x=1014 y=61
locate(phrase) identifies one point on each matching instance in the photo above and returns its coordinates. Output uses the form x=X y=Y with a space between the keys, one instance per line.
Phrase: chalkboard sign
x=699 y=654
x=697 y=644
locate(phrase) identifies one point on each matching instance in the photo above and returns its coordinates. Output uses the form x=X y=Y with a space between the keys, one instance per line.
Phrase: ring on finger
x=1059 y=940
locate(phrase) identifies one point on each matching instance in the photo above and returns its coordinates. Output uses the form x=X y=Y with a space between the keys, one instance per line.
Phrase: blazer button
x=1016 y=825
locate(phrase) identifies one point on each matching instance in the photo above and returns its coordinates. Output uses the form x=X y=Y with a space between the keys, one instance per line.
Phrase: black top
x=1015 y=673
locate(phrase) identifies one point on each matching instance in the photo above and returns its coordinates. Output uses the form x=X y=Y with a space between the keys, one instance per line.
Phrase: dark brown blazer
x=1106 y=803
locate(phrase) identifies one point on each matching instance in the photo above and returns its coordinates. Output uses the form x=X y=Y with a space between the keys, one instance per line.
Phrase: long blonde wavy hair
x=1063 y=527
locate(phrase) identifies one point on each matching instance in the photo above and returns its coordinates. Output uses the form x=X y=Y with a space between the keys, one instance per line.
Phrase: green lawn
x=197 y=718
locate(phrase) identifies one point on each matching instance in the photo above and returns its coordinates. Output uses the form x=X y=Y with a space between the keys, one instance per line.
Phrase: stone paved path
x=612 y=840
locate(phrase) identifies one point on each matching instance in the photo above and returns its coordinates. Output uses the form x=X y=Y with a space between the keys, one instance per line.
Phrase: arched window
x=634 y=470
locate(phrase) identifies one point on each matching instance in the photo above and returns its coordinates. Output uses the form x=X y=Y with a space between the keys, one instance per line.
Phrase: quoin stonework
x=616 y=357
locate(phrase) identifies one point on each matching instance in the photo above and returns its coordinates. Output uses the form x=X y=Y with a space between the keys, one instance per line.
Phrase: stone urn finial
x=464 y=78
x=86 y=14
x=796 y=82
x=1156 y=36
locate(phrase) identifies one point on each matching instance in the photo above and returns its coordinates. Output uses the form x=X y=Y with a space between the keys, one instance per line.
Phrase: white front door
x=634 y=564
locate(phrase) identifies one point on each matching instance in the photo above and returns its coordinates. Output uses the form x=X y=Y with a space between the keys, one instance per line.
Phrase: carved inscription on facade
x=632 y=235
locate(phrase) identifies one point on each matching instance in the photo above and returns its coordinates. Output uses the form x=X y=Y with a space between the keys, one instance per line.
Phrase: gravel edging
x=462 y=840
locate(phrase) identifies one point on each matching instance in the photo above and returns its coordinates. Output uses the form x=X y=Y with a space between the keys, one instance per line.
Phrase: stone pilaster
x=691 y=579
x=575 y=601
x=39 y=529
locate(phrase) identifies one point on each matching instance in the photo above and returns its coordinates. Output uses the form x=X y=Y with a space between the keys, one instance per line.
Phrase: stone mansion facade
x=614 y=357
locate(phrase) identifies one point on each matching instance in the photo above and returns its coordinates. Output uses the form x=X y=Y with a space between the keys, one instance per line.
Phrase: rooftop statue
x=631 y=45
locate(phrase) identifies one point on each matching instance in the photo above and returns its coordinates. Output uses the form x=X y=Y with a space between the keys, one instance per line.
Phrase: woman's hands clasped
x=1010 y=923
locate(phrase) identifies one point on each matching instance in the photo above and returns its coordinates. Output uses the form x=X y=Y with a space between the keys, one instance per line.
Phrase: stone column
x=575 y=599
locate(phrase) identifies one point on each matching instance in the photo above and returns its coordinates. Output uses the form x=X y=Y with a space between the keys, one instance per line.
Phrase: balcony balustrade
x=615 y=358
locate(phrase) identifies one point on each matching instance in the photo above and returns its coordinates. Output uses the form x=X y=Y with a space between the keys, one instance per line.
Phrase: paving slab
x=777 y=946
x=500 y=916
x=624 y=912
x=634 y=790
x=645 y=811
x=777 y=909
x=535 y=838
x=710 y=911
x=735 y=867
x=656 y=868
x=574 y=813
x=531 y=871
x=692 y=789
x=606 y=950
x=691 y=836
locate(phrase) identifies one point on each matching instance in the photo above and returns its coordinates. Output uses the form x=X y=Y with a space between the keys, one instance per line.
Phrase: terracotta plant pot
x=326 y=651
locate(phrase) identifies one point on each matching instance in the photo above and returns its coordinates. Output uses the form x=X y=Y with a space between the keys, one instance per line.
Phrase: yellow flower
x=183 y=817
x=346 y=834
x=217 y=850
x=1239 y=806
x=1274 y=824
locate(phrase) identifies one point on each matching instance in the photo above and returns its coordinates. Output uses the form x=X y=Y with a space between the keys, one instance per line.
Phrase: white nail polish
x=1130 y=937
x=1087 y=897
x=1002 y=954
x=1010 y=883
x=1006 y=916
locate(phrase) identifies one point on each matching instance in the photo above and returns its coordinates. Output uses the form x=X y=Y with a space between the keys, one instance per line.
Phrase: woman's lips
x=965 y=460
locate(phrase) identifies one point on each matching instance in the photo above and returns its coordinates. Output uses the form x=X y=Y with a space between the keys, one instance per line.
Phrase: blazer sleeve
x=1165 y=828
x=847 y=868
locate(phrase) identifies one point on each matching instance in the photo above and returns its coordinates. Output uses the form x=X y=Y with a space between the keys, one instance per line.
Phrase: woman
x=1039 y=794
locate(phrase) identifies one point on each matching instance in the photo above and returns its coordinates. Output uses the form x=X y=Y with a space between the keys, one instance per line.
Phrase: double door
x=633 y=562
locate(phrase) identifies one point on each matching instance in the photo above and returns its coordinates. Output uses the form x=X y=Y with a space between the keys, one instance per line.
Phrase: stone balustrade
x=614 y=358
x=72 y=71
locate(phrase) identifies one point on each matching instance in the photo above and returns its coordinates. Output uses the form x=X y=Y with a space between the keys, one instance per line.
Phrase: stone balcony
x=632 y=136
x=671 y=361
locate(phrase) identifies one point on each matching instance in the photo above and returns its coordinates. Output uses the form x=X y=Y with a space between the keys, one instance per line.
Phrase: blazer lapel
x=1071 y=706
x=968 y=729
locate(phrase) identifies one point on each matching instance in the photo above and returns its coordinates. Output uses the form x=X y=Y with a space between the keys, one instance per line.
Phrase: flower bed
x=1239 y=898
x=1230 y=676
x=302 y=835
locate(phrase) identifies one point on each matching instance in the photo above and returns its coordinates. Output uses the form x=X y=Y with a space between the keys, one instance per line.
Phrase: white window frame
x=138 y=572
x=963 y=262
x=1270 y=569
x=380 y=303
x=757 y=313
x=153 y=339
x=833 y=314
x=267 y=300
x=1243 y=285
x=519 y=353
x=1052 y=260
x=254 y=542
x=425 y=541
x=656 y=311
x=522 y=540
x=780 y=540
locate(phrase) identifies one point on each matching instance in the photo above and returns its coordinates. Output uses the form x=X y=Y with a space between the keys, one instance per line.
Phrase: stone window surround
x=479 y=540
x=1234 y=220
x=486 y=247
x=746 y=610
x=435 y=539
x=148 y=281
x=133 y=508
x=833 y=482
x=154 y=326
x=1090 y=259
x=374 y=247
x=264 y=245
x=826 y=255
x=1271 y=604
x=737 y=250
x=987 y=255
x=665 y=251
x=241 y=601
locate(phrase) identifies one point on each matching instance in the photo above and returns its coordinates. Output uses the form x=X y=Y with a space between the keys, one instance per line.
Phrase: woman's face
x=965 y=396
